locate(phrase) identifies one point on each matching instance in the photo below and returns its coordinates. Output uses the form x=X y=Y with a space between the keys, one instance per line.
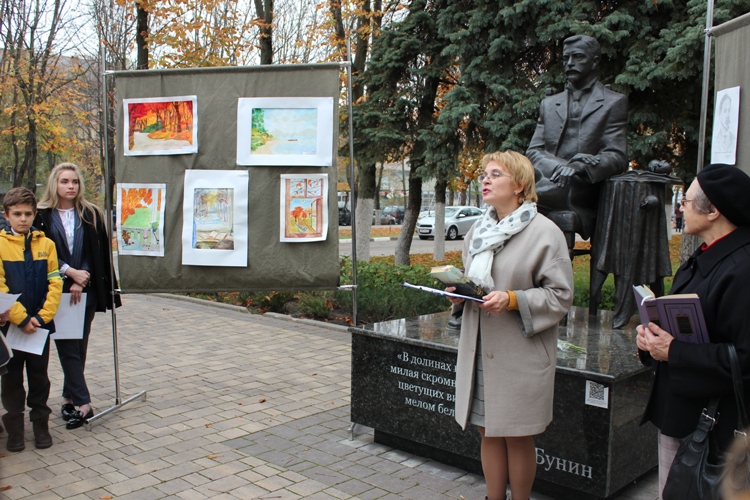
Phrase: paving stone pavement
x=238 y=406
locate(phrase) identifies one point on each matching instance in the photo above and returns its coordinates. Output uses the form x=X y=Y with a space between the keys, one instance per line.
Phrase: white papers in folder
x=443 y=293
x=7 y=300
x=69 y=319
x=27 y=342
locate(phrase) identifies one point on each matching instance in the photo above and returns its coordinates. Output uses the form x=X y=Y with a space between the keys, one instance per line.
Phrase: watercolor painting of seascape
x=304 y=208
x=140 y=219
x=161 y=126
x=294 y=131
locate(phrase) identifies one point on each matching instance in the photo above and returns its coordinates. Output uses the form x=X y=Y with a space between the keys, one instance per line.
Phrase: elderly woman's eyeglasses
x=495 y=174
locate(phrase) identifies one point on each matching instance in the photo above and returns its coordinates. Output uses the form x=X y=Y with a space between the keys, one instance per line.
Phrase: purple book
x=681 y=315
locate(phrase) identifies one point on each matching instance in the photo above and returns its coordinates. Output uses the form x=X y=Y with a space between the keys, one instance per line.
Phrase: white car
x=458 y=221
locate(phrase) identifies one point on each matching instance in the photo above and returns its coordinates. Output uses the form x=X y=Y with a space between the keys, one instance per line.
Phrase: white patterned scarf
x=490 y=236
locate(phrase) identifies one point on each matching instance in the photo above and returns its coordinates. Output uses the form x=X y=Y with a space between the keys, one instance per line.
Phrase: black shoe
x=79 y=419
x=42 y=438
x=68 y=411
x=15 y=442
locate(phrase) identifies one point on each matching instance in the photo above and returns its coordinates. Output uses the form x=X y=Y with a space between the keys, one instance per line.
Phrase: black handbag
x=692 y=475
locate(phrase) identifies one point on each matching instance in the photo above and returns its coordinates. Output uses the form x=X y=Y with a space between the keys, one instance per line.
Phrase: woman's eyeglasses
x=495 y=174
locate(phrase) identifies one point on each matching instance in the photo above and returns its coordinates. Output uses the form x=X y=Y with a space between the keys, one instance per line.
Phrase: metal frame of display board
x=115 y=290
x=108 y=199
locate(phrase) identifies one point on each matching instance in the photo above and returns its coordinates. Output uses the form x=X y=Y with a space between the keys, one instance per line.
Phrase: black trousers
x=13 y=391
x=72 y=354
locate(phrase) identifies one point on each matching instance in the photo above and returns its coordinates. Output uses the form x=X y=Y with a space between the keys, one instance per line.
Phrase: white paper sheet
x=69 y=319
x=33 y=343
x=214 y=218
x=726 y=125
x=7 y=300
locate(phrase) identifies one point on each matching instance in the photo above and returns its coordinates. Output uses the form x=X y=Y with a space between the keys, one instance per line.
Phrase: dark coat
x=682 y=386
x=97 y=253
x=603 y=133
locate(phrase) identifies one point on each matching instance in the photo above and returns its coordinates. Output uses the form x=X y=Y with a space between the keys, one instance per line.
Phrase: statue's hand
x=562 y=174
x=587 y=159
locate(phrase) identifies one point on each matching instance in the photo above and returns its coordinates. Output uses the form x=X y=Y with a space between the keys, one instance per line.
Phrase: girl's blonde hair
x=50 y=198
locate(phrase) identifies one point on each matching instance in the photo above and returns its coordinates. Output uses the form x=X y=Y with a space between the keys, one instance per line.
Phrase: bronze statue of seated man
x=580 y=141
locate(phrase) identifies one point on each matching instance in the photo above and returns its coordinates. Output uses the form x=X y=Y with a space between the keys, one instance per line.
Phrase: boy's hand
x=4 y=317
x=75 y=293
x=31 y=326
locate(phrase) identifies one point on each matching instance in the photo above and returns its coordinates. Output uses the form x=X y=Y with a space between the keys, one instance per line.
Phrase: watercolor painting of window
x=140 y=219
x=304 y=207
x=214 y=212
x=289 y=131
x=161 y=126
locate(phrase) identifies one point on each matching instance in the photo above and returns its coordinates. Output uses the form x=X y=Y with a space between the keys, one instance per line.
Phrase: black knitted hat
x=728 y=188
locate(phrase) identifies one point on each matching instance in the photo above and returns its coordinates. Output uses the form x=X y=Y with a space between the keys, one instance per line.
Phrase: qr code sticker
x=597 y=394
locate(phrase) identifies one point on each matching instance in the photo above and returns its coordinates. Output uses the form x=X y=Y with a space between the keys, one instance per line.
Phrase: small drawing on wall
x=726 y=125
x=161 y=126
x=140 y=219
x=214 y=218
x=285 y=131
x=304 y=207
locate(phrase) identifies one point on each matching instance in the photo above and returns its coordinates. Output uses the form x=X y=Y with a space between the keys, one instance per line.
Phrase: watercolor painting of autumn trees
x=161 y=126
x=140 y=219
x=304 y=214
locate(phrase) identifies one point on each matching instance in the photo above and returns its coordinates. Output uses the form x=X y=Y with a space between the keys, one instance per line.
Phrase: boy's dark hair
x=19 y=196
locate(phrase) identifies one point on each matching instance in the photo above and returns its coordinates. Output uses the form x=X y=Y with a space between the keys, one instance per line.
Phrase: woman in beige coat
x=508 y=347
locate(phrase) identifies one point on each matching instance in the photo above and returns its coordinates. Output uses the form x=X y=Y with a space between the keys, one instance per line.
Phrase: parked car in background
x=395 y=213
x=458 y=221
x=425 y=213
x=379 y=218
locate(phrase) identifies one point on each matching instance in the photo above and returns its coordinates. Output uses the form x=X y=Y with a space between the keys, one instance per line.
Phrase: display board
x=186 y=120
x=733 y=70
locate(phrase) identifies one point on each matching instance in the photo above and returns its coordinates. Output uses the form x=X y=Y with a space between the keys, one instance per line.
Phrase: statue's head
x=581 y=56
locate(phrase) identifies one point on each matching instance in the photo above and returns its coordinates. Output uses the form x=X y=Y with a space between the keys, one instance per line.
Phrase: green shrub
x=275 y=301
x=380 y=295
x=581 y=294
x=314 y=304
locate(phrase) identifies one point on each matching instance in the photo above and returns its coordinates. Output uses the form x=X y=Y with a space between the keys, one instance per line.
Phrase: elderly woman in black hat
x=716 y=208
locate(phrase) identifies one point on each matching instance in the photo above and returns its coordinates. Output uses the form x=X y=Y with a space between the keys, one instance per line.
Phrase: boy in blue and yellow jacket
x=29 y=267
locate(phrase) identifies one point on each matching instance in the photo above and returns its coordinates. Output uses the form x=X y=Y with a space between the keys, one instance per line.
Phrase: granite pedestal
x=403 y=386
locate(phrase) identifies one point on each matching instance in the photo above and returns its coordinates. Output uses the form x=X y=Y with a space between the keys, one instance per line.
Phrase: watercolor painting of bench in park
x=213 y=227
x=285 y=131
x=140 y=219
x=304 y=207
x=161 y=126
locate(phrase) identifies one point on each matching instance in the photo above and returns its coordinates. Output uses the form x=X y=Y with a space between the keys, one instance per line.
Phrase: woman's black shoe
x=79 y=419
x=68 y=411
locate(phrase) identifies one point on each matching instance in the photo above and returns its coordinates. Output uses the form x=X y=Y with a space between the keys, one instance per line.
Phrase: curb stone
x=232 y=307
x=384 y=238
x=307 y=321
